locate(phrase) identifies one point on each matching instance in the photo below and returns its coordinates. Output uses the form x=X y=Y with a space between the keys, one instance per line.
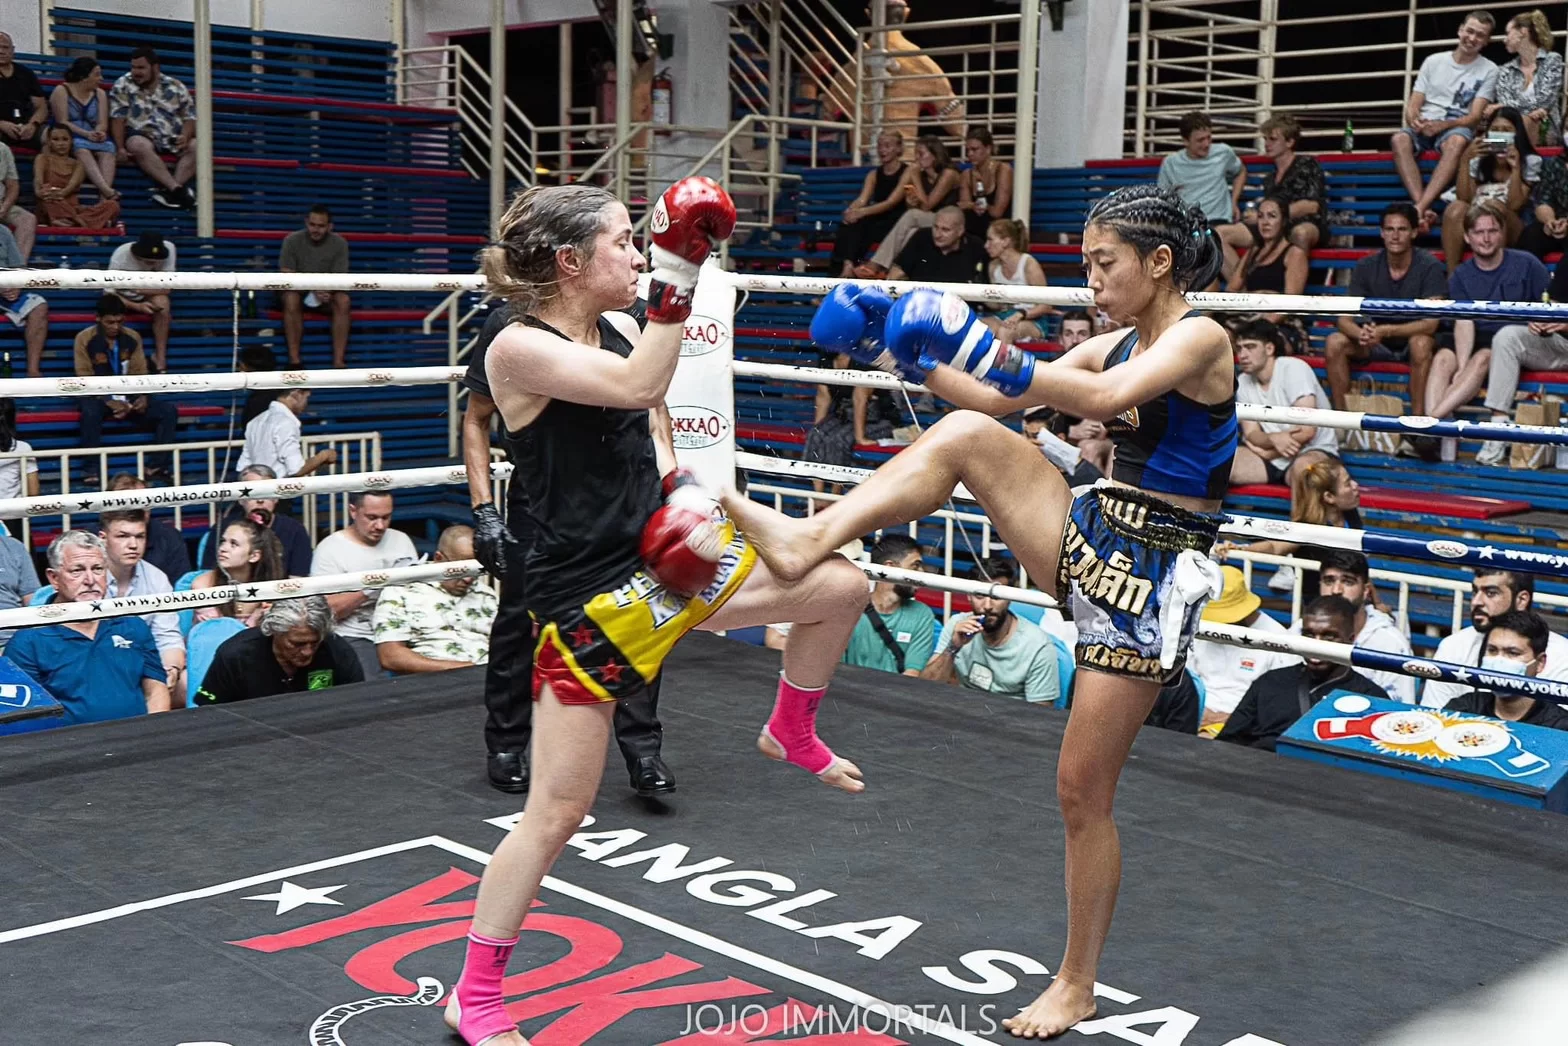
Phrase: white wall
x=432 y=21
x=1083 y=84
x=360 y=19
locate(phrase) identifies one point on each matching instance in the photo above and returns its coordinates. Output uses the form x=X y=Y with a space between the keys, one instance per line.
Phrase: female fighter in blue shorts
x=1132 y=553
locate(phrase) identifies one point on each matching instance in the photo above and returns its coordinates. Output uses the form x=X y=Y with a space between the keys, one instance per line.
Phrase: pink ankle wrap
x=793 y=726
x=481 y=1008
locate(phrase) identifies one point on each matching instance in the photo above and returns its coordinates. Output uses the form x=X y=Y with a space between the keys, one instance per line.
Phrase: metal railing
x=814 y=44
x=1456 y=591
x=1230 y=58
x=978 y=74
x=448 y=77
x=357 y=452
x=457 y=350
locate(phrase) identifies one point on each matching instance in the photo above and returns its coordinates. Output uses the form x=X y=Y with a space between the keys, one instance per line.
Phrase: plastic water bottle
x=1350 y=137
x=980 y=196
x=5 y=366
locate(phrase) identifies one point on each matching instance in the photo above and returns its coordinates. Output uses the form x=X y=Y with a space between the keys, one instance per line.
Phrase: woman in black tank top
x=1275 y=265
x=880 y=204
x=1137 y=563
x=928 y=186
x=581 y=397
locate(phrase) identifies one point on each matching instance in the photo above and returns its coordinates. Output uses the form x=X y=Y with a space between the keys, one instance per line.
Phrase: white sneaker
x=1492 y=452
x=1284 y=579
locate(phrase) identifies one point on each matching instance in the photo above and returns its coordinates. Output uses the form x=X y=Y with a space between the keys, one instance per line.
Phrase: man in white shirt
x=124 y=534
x=272 y=439
x=1493 y=593
x=1443 y=111
x=149 y=252
x=1273 y=451
x=367 y=543
x=1226 y=671
x=1346 y=574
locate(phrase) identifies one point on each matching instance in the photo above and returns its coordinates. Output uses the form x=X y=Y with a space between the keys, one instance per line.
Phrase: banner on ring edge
x=702 y=394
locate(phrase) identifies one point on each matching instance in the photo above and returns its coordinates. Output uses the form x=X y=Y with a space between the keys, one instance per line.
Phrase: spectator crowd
x=1496 y=205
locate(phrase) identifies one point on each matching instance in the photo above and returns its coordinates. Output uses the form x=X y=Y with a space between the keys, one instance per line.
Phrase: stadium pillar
x=1084 y=77
x=497 y=110
x=625 y=70
x=202 y=44
x=1023 y=127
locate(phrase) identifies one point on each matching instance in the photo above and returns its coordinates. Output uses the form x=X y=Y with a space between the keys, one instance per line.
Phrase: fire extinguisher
x=662 y=97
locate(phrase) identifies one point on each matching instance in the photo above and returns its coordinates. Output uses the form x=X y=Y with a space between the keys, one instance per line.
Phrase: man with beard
x=1516 y=645
x=1012 y=656
x=1493 y=593
x=1282 y=696
x=896 y=632
x=1346 y=573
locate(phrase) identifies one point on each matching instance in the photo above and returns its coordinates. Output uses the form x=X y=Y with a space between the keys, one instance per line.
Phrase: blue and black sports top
x=1173 y=444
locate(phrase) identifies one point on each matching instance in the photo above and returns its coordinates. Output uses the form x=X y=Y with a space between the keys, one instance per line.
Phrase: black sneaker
x=185 y=198
x=166 y=198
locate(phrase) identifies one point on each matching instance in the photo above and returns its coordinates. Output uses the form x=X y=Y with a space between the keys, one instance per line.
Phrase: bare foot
x=1058 y=1008
x=782 y=541
x=453 y=1017
x=843 y=775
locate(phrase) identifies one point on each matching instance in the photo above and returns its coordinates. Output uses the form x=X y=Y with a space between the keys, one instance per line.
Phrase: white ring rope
x=1331 y=419
x=1082 y=297
x=1249 y=638
x=147 y=384
x=1452 y=551
x=1329 y=304
x=152 y=497
x=255 y=592
x=108 y=280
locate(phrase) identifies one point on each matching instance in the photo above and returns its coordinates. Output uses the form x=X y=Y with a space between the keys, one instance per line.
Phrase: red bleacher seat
x=414 y=239
x=71 y=417
x=1459 y=506
x=365 y=315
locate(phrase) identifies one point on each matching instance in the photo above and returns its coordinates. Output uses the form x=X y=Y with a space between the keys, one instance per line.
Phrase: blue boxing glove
x=850 y=320
x=925 y=328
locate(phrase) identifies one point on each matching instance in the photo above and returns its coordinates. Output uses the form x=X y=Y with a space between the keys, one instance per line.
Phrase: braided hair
x=1148 y=216
x=520 y=265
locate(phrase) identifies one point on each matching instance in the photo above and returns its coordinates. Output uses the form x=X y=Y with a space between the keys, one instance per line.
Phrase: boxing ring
x=300 y=869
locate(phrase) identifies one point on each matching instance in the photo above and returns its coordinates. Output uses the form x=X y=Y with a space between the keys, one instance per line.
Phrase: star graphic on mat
x=1461 y=675
x=290 y=896
x=252 y=591
x=244 y=492
x=85 y=504
x=611 y=672
x=96 y=607
x=1487 y=551
x=581 y=636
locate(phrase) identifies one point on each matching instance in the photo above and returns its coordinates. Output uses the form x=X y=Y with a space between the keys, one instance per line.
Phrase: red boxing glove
x=683 y=542
x=692 y=216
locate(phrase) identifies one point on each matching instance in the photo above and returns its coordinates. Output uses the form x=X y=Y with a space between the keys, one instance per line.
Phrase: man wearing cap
x=1226 y=671
x=149 y=252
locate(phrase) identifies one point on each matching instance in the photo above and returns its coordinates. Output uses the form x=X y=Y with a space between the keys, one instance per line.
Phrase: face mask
x=1506 y=666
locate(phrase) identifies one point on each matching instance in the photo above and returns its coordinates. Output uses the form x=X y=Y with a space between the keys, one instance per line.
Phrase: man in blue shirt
x=1492 y=273
x=100 y=669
